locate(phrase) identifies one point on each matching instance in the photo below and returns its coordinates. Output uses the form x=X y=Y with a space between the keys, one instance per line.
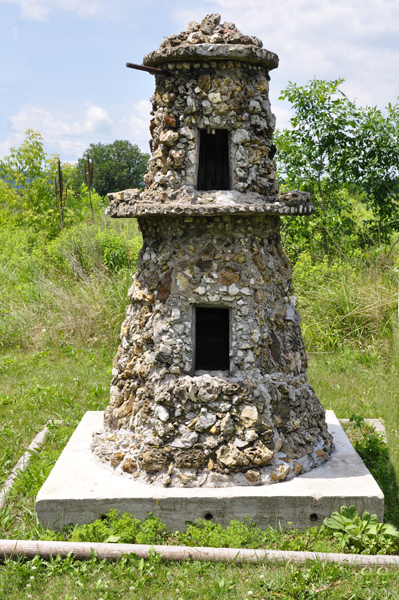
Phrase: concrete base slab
x=80 y=490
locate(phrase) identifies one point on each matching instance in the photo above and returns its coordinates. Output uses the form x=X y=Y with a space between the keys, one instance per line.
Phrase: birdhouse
x=209 y=383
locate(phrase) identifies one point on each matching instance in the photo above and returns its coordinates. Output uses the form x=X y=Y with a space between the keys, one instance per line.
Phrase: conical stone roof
x=211 y=39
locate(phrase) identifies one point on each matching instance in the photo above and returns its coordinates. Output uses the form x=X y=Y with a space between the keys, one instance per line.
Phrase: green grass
x=132 y=578
x=58 y=383
x=353 y=301
x=71 y=291
x=368 y=386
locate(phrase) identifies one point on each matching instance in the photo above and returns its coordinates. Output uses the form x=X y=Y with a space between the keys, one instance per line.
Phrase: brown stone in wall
x=204 y=82
x=117 y=458
x=204 y=265
x=112 y=423
x=155 y=459
x=190 y=459
x=129 y=466
x=229 y=276
x=169 y=122
x=259 y=261
x=260 y=296
x=165 y=286
x=275 y=347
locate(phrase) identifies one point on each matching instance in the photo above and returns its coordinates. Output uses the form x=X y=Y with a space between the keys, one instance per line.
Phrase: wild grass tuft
x=72 y=290
x=346 y=302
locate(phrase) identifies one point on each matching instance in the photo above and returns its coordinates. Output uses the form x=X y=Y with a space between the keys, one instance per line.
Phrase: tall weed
x=344 y=302
x=87 y=248
x=47 y=308
x=72 y=288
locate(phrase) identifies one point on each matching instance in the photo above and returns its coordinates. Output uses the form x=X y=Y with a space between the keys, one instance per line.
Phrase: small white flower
x=28 y=585
x=33 y=568
x=249 y=593
x=106 y=586
x=31 y=577
x=131 y=588
x=261 y=576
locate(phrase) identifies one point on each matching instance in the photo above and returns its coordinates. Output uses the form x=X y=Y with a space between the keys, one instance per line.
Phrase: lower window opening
x=212 y=339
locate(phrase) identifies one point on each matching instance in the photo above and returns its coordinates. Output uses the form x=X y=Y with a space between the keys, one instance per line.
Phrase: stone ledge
x=79 y=490
x=130 y=203
x=192 y=52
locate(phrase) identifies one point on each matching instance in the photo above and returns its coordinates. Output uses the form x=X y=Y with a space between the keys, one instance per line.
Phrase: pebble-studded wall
x=209 y=383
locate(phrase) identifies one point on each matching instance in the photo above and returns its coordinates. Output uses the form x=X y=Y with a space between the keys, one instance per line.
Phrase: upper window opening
x=212 y=339
x=213 y=167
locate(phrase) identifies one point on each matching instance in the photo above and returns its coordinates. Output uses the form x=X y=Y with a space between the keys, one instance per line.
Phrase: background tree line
x=44 y=196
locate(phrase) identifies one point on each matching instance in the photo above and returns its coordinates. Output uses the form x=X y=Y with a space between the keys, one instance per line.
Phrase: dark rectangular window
x=213 y=167
x=212 y=339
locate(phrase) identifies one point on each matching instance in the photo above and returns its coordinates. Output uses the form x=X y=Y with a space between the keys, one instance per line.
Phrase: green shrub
x=375 y=454
x=239 y=534
x=72 y=287
x=363 y=534
x=124 y=529
x=88 y=248
x=114 y=251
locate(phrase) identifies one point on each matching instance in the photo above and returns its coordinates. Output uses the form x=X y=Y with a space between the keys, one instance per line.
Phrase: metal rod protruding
x=148 y=69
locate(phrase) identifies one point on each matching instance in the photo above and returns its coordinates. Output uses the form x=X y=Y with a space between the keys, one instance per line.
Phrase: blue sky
x=62 y=62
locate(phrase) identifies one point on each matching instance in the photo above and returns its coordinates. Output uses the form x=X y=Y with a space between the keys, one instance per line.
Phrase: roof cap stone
x=210 y=40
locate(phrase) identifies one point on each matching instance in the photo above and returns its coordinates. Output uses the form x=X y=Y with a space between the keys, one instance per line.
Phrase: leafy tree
x=348 y=226
x=375 y=166
x=333 y=146
x=29 y=175
x=117 y=166
x=23 y=169
x=314 y=153
x=35 y=190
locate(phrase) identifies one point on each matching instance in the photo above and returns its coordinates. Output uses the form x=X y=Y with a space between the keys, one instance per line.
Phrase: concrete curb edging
x=83 y=551
x=23 y=462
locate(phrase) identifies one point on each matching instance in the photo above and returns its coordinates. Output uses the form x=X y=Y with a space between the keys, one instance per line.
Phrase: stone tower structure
x=209 y=383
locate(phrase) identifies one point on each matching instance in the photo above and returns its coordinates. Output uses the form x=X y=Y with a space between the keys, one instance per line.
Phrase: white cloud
x=282 y=116
x=96 y=121
x=138 y=123
x=143 y=108
x=39 y=10
x=70 y=135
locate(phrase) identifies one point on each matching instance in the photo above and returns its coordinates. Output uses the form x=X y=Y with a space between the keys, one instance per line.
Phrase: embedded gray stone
x=205 y=421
